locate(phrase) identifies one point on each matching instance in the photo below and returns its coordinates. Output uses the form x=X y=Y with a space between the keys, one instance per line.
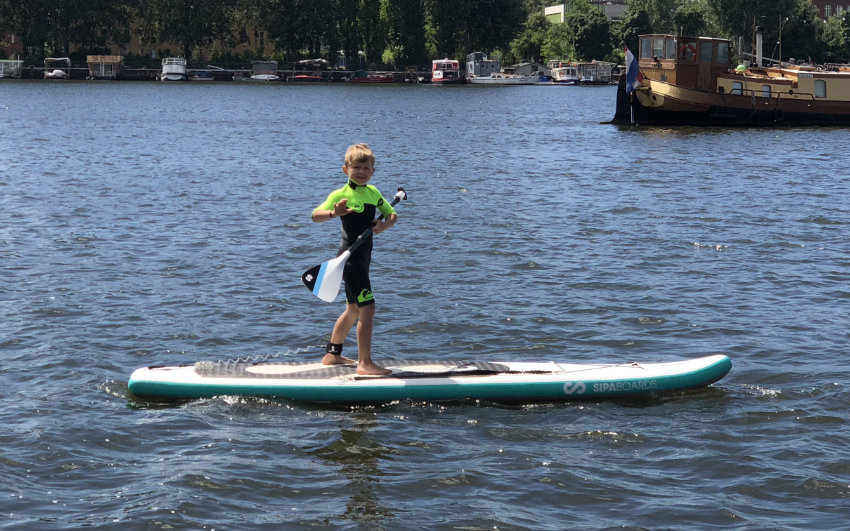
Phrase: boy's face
x=359 y=171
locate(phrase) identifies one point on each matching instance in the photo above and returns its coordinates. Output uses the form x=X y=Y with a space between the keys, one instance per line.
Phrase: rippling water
x=145 y=224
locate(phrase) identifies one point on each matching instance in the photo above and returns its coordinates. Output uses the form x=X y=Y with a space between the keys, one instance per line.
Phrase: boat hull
x=659 y=103
x=518 y=80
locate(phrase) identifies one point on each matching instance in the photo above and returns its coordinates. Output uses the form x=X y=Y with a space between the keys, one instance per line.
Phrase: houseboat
x=690 y=81
x=595 y=73
x=173 y=69
x=57 y=68
x=478 y=64
x=482 y=70
x=10 y=68
x=445 y=72
x=564 y=73
x=362 y=76
x=264 y=71
x=104 y=66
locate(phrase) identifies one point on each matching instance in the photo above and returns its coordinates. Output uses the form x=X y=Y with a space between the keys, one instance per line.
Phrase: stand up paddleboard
x=427 y=380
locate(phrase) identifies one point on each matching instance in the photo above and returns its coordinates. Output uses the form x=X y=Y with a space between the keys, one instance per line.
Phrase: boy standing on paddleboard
x=356 y=204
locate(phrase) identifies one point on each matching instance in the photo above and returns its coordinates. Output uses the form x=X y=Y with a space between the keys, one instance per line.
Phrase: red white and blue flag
x=633 y=75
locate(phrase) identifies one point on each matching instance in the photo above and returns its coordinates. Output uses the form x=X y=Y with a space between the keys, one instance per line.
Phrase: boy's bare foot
x=372 y=370
x=333 y=359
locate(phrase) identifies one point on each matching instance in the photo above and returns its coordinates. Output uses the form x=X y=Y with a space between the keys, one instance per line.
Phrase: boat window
x=737 y=87
x=723 y=53
x=765 y=91
x=658 y=47
x=705 y=49
x=820 y=88
x=671 y=49
x=646 y=48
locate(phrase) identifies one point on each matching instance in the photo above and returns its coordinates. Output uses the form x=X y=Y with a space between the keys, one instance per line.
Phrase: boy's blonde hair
x=359 y=153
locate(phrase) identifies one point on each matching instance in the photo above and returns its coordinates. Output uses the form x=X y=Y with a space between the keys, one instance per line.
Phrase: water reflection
x=358 y=456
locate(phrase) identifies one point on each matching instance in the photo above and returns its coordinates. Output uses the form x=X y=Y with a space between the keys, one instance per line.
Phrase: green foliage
x=408 y=32
x=591 y=34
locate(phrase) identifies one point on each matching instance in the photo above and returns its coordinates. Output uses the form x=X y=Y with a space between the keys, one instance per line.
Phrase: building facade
x=613 y=9
x=831 y=8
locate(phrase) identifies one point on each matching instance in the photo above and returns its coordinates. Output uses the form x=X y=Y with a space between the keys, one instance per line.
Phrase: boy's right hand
x=340 y=208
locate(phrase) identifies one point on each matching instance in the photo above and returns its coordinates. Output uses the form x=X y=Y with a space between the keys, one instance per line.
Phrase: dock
x=223 y=74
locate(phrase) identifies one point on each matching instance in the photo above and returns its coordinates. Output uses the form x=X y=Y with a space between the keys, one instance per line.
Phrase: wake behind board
x=427 y=380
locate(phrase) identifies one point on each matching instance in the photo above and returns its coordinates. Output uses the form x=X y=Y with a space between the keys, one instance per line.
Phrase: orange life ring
x=685 y=47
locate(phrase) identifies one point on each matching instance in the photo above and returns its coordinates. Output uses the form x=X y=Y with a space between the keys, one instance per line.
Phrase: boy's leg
x=365 y=325
x=341 y=328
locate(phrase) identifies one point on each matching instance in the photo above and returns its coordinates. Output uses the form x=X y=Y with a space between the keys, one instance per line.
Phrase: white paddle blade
x=329 y=278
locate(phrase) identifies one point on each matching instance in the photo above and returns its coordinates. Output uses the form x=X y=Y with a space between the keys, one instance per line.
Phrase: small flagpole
x=632 y=106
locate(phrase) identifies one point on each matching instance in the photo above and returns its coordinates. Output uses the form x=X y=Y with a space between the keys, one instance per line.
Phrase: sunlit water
x=145 y=224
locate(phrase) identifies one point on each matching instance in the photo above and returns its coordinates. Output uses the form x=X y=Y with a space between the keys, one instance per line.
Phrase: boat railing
x=756 y=93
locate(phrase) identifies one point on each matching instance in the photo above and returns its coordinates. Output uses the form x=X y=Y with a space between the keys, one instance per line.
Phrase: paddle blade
x=324 y=280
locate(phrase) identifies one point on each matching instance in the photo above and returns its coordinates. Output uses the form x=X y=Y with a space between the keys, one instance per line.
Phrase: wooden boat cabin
x=689 y=62
x=104 y=66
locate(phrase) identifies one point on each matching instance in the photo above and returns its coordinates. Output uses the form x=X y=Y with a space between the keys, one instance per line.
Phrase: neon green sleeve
x=329 y=202
x=384 y=206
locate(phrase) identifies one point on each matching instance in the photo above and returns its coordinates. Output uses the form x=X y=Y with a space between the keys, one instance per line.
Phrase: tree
x=557 y=43
x=529 y=43
x=834 y=39
x=636 y=22
x=801 y=33
x=591 y=34
x=185 y=22
x=405 y=21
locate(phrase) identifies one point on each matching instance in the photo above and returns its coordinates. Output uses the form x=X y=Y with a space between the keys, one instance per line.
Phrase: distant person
x=356 y=204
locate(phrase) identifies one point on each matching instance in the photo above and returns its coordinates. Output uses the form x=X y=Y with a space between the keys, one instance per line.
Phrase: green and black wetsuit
x=364 y=201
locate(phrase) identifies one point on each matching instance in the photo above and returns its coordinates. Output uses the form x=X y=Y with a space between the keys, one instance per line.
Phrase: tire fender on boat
x=778 y=115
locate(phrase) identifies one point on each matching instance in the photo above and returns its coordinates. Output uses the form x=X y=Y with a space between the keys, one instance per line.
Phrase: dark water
x=145 y=224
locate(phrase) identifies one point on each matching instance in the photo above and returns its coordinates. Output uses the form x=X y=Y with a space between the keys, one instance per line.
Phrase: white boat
x=52 y=72
x=566 y=74
x=264 y=71
x=445 y=72
x=10 y=68
x=504 y=79
x=173 y=69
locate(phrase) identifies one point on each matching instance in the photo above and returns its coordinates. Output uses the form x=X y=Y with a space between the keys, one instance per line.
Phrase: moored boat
x=565 y=73
x=264 y=71
x=10 y=68
x=201 y=75
x=690 y=81
x=483 y=70
x=57 y=68
x=173 y=69
x=445 y=72
x=504 y=79
x=362 y=76
x=104 y=66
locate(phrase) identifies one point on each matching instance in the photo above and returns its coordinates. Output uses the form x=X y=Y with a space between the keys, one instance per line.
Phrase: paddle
x=324 y=279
